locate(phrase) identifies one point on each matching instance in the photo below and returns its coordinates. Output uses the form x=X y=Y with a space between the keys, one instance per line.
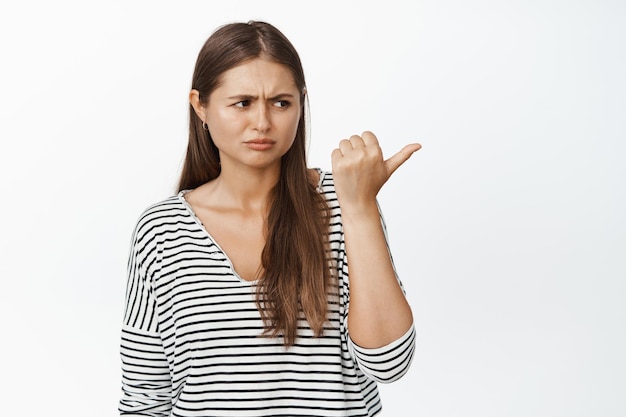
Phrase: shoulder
x=161 y=215
x=325 y=182
x=326 y=187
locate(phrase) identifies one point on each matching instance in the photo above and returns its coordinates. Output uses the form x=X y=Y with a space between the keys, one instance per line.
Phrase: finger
x=335 y=156
x=345 y=146
x=357 y=141
x=401 y=157
x=369 y=138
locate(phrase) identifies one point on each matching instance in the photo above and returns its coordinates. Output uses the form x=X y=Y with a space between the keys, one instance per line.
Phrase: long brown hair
x=296 y=279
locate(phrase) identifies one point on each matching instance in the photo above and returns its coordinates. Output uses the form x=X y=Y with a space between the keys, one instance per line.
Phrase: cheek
x=294 y=121
x=223 y=124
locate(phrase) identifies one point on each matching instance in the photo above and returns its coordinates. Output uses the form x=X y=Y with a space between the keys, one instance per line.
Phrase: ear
x=194 y=100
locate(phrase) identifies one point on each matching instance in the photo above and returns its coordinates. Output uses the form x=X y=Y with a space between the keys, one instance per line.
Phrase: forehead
x=258 y=75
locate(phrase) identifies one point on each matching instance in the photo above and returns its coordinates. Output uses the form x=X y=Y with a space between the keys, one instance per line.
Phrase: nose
x=262 y=122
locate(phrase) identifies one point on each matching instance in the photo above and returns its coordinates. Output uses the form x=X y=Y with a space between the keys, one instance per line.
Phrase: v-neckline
x=192 y=213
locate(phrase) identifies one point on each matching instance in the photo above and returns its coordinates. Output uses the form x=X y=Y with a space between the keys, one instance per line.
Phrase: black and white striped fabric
x=191 y=336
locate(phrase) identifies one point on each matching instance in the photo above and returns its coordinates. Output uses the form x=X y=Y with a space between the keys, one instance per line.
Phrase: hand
x=359 y=169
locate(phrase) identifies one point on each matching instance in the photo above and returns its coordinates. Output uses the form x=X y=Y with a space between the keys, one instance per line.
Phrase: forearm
x=379 y=312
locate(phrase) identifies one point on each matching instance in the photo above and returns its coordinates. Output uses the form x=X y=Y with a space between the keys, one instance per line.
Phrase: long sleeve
x=146 y=380
x=388 y=363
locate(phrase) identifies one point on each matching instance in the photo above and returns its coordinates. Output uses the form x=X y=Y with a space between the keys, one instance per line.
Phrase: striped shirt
x=191 y=335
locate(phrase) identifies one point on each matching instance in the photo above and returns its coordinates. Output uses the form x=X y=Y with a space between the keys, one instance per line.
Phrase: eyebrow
x=251 y=97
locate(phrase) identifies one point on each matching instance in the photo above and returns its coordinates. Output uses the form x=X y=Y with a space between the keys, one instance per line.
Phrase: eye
x=242 y=103
x=282 y=103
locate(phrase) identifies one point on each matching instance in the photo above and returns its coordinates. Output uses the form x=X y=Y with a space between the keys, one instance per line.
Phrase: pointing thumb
x=401 y=157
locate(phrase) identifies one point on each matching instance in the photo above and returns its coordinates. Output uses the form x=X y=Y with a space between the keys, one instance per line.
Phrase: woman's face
x=253 y=114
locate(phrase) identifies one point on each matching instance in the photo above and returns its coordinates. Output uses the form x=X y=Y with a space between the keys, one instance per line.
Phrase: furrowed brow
x=282 y=96
x=242 y=97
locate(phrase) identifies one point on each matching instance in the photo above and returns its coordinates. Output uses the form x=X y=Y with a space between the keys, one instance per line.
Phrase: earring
x=205 y=126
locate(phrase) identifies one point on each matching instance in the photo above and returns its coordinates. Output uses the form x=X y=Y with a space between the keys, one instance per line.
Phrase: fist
x=359 y=169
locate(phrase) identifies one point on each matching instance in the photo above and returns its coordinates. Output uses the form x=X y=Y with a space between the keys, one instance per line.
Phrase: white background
x=507 y=228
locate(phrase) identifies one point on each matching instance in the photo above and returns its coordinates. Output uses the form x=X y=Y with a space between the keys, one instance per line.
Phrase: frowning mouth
x=260 y=144
x=261 y=141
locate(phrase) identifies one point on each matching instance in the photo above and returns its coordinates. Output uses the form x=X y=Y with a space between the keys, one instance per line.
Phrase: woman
x=238 y=299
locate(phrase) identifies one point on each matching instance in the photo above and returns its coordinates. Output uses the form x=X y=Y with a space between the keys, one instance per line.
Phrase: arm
x=146 y=381
x=379 y=313
x=387 y=363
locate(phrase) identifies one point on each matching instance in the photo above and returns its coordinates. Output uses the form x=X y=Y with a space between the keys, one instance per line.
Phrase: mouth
x=261 y=141
x=260 y=144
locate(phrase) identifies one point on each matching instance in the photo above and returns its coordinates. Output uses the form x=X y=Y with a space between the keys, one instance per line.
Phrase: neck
x=247 y=189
